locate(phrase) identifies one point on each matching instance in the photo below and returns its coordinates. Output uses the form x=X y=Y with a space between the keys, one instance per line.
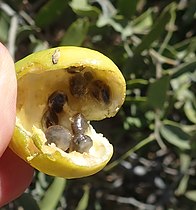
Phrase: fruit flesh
x=74 y=103
x=36 y=84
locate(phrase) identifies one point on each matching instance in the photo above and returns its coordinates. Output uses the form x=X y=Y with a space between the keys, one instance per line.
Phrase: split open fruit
x=60 y=90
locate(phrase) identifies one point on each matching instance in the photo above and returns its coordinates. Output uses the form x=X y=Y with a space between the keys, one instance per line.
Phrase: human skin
x=15 y=174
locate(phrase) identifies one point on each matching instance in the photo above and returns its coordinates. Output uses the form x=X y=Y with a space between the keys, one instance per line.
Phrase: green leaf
x=76 y=33
x=83 y=203
x=132 y=122
x=53 y=194
x=182 y=185
x=82 y=8
x=184 y=162
x=42 y=179
x=4 y=26
x=193 y=144
x=190 y=111
x=24 y=32
x=107 y=17
x=50 y=12
x=104 y=20
x=185 y=50
x=127 y=8
x=143 y=22
x=157 y=30
x=191 y=195
x=137 y=83
x=157 y=92
x=189 y=15
x=183 y=68
x=176 y=136
x=26 y=201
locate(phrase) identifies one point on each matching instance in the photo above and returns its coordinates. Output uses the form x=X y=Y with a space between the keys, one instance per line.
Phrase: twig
x=161 y=58
x=27 y=18
x=157 y=129
x=132 y=201
x=12 y=35
x=13 y=27
x=142 y=143
x=7 y=9
x=171 y=29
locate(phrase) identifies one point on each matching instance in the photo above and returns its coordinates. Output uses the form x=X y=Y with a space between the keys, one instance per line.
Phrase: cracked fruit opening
x=60 y=90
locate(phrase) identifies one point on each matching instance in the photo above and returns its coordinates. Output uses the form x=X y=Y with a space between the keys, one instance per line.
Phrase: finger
x=15 y=176
x=7 y=97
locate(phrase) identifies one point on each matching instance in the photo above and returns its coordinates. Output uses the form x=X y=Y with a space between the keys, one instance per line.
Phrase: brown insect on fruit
x=49 y=119
x=100 y=91
x=88 y=76
x=56 y=101
x=75 y=69
x=78 y=85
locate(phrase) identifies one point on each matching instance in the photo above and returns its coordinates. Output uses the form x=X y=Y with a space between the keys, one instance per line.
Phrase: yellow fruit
x=60 y=90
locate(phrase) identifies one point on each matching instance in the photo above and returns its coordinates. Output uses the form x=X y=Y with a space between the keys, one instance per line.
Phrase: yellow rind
x=69 y=56
x=54 y=164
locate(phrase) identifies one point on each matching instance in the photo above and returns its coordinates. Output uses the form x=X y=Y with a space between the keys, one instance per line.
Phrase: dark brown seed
x=79 y=124
x=49 y=119
x=100 y=91
x=75 y=69
x=88 y=76
x=56 y=101
x=78 y=85
x=82 y=143
x=60 y=136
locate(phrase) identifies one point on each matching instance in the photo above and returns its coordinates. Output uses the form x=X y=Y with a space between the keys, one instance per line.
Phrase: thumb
x=7 y=98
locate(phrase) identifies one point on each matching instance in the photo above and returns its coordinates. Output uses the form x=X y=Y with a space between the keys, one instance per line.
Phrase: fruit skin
x=29 y=145
x=55 y=164
x=69 y=56
x=29 y=148
x=74 y=57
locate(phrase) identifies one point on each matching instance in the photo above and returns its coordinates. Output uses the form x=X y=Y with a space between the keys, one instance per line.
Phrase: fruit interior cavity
x=53 y=100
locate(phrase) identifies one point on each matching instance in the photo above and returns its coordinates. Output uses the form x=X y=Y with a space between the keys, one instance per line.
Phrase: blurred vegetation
x=154 y=134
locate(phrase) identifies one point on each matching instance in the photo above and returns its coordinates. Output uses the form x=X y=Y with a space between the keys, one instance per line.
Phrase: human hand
x=15 y=174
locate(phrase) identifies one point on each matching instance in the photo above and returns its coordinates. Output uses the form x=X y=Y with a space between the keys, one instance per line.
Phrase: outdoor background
x=154 y=134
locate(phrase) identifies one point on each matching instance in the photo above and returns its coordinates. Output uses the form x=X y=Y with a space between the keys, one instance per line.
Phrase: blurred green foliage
x=154 y=44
